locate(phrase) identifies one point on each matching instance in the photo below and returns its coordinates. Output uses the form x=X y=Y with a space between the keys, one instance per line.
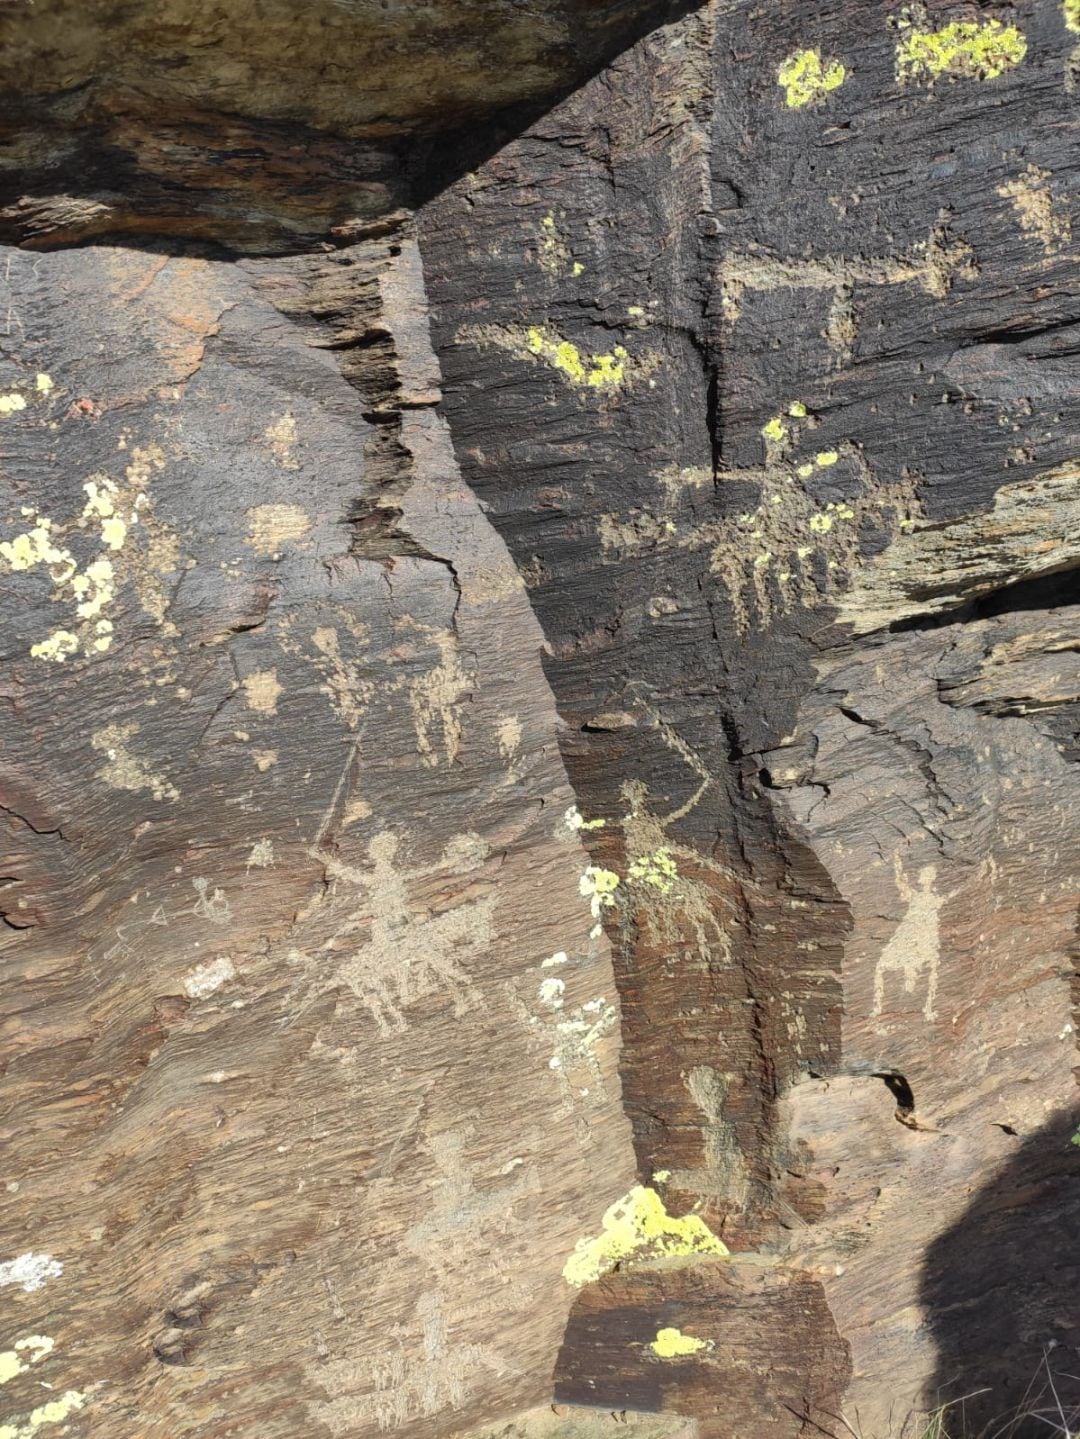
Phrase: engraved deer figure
x=915 y=946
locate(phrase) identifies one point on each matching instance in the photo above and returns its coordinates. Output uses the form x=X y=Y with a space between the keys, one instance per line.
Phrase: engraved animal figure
x=915 y=946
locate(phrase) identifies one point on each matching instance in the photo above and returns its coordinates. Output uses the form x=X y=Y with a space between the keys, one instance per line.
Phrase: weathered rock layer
x=591 y=589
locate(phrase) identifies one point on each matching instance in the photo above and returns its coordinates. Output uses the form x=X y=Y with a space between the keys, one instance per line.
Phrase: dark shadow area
x=1002 y=1294
x=94 y=160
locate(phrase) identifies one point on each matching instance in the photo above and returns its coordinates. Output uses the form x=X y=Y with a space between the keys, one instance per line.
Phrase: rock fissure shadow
x=1001 y=1289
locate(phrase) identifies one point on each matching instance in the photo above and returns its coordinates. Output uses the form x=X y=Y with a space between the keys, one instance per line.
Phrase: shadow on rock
x=1002 y=1291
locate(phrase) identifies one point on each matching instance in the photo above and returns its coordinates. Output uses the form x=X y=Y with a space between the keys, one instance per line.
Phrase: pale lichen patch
x=55 y=1411
x=12 y=403
x=26 y=1352
x=57 y=647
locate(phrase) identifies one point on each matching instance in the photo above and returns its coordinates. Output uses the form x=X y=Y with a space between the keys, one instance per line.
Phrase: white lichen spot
x=95 y=588
x=43 y=383
x=11 y=404
x=55 y=1411
x=559 y=957
x=208 y=977
x=551 y=993
x=30 y=1271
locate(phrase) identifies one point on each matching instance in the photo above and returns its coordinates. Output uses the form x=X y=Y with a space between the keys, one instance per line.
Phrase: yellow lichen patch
x=43 y=383
x=57 y=646
x=825 y=458
x=638 y=1226
x=606 y=372
x=797 y=410
x=12 y=403
x=774 y=430
x=1070 y=12
x=657 y=869
x=674 y=1344
x=598 y=886
x=806 y=77
x=602 y=371
x=575 y=820
x=963 y=48
x=1033 y=204
x=261 y=691
x=271 y=526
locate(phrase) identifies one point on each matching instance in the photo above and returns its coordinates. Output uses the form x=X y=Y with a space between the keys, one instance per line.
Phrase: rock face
x=541 y=716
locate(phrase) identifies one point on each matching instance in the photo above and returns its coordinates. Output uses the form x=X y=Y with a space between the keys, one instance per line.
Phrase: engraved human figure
x=915 y=946
x=410 y=953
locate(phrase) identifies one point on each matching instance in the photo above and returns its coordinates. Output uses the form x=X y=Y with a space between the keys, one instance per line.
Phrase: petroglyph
x=423 y=1371
x=915 y=947
x=125 y=770
x=262 y=691
x=671 y=902
x=1036 y=209
x=272 y=526
x=791 y=548
x=434 y=699
x=934 y=264
x=416 y=947
x=211 y=904
x=725 y=1173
